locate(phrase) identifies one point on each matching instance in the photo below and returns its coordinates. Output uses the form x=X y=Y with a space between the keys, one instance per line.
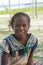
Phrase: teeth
x=21 y=32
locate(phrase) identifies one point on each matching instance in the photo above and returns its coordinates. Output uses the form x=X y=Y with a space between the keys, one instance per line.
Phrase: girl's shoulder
x=6 y=43
x=4 y=46
x=33 y=38
x=33 y=41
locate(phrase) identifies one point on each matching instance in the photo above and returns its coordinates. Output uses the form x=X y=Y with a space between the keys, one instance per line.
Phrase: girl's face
x=20 y=26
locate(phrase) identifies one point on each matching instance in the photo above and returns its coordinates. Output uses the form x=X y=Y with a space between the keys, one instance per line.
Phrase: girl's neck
x=22 y=40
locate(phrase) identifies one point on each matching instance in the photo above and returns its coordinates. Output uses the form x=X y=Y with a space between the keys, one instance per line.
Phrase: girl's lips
x=21 y=32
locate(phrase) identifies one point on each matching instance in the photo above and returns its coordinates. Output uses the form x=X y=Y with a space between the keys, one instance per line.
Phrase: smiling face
x=20 y=26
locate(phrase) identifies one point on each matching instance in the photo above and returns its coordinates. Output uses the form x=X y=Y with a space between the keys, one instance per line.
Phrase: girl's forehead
x=21 y=18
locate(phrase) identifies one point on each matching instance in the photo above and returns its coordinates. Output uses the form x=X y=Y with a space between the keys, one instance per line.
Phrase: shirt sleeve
x=35 y=42
x=35 y=45
x=4 y=46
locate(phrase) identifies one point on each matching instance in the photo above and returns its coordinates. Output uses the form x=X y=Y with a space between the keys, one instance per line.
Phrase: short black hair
x=17 y=15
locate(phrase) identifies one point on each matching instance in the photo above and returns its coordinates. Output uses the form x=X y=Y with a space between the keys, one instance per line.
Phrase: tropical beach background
x=34 y=8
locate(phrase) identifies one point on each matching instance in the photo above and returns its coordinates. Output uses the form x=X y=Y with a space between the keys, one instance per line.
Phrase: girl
x=18 y=48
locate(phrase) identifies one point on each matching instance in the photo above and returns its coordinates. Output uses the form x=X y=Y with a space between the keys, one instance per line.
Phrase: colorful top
x=12 y=46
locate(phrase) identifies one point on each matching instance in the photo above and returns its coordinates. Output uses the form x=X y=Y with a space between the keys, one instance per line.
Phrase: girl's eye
x=24 y=25
x=21 y=25
x=17 y=25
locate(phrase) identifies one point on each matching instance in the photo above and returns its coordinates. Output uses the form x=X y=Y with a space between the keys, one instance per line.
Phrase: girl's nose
x=21 y=27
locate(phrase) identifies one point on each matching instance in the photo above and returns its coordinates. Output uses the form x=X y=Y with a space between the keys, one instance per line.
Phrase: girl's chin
x=21 y=35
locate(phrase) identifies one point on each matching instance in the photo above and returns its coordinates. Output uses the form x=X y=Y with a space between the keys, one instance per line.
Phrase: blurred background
x=34 y=8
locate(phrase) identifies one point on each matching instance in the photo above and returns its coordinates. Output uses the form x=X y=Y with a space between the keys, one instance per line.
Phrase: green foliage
x=13 y=11
x=1 y=12
x=6 y=11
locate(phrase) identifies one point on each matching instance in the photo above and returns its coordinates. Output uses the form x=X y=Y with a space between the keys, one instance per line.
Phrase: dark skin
x=20 y=27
